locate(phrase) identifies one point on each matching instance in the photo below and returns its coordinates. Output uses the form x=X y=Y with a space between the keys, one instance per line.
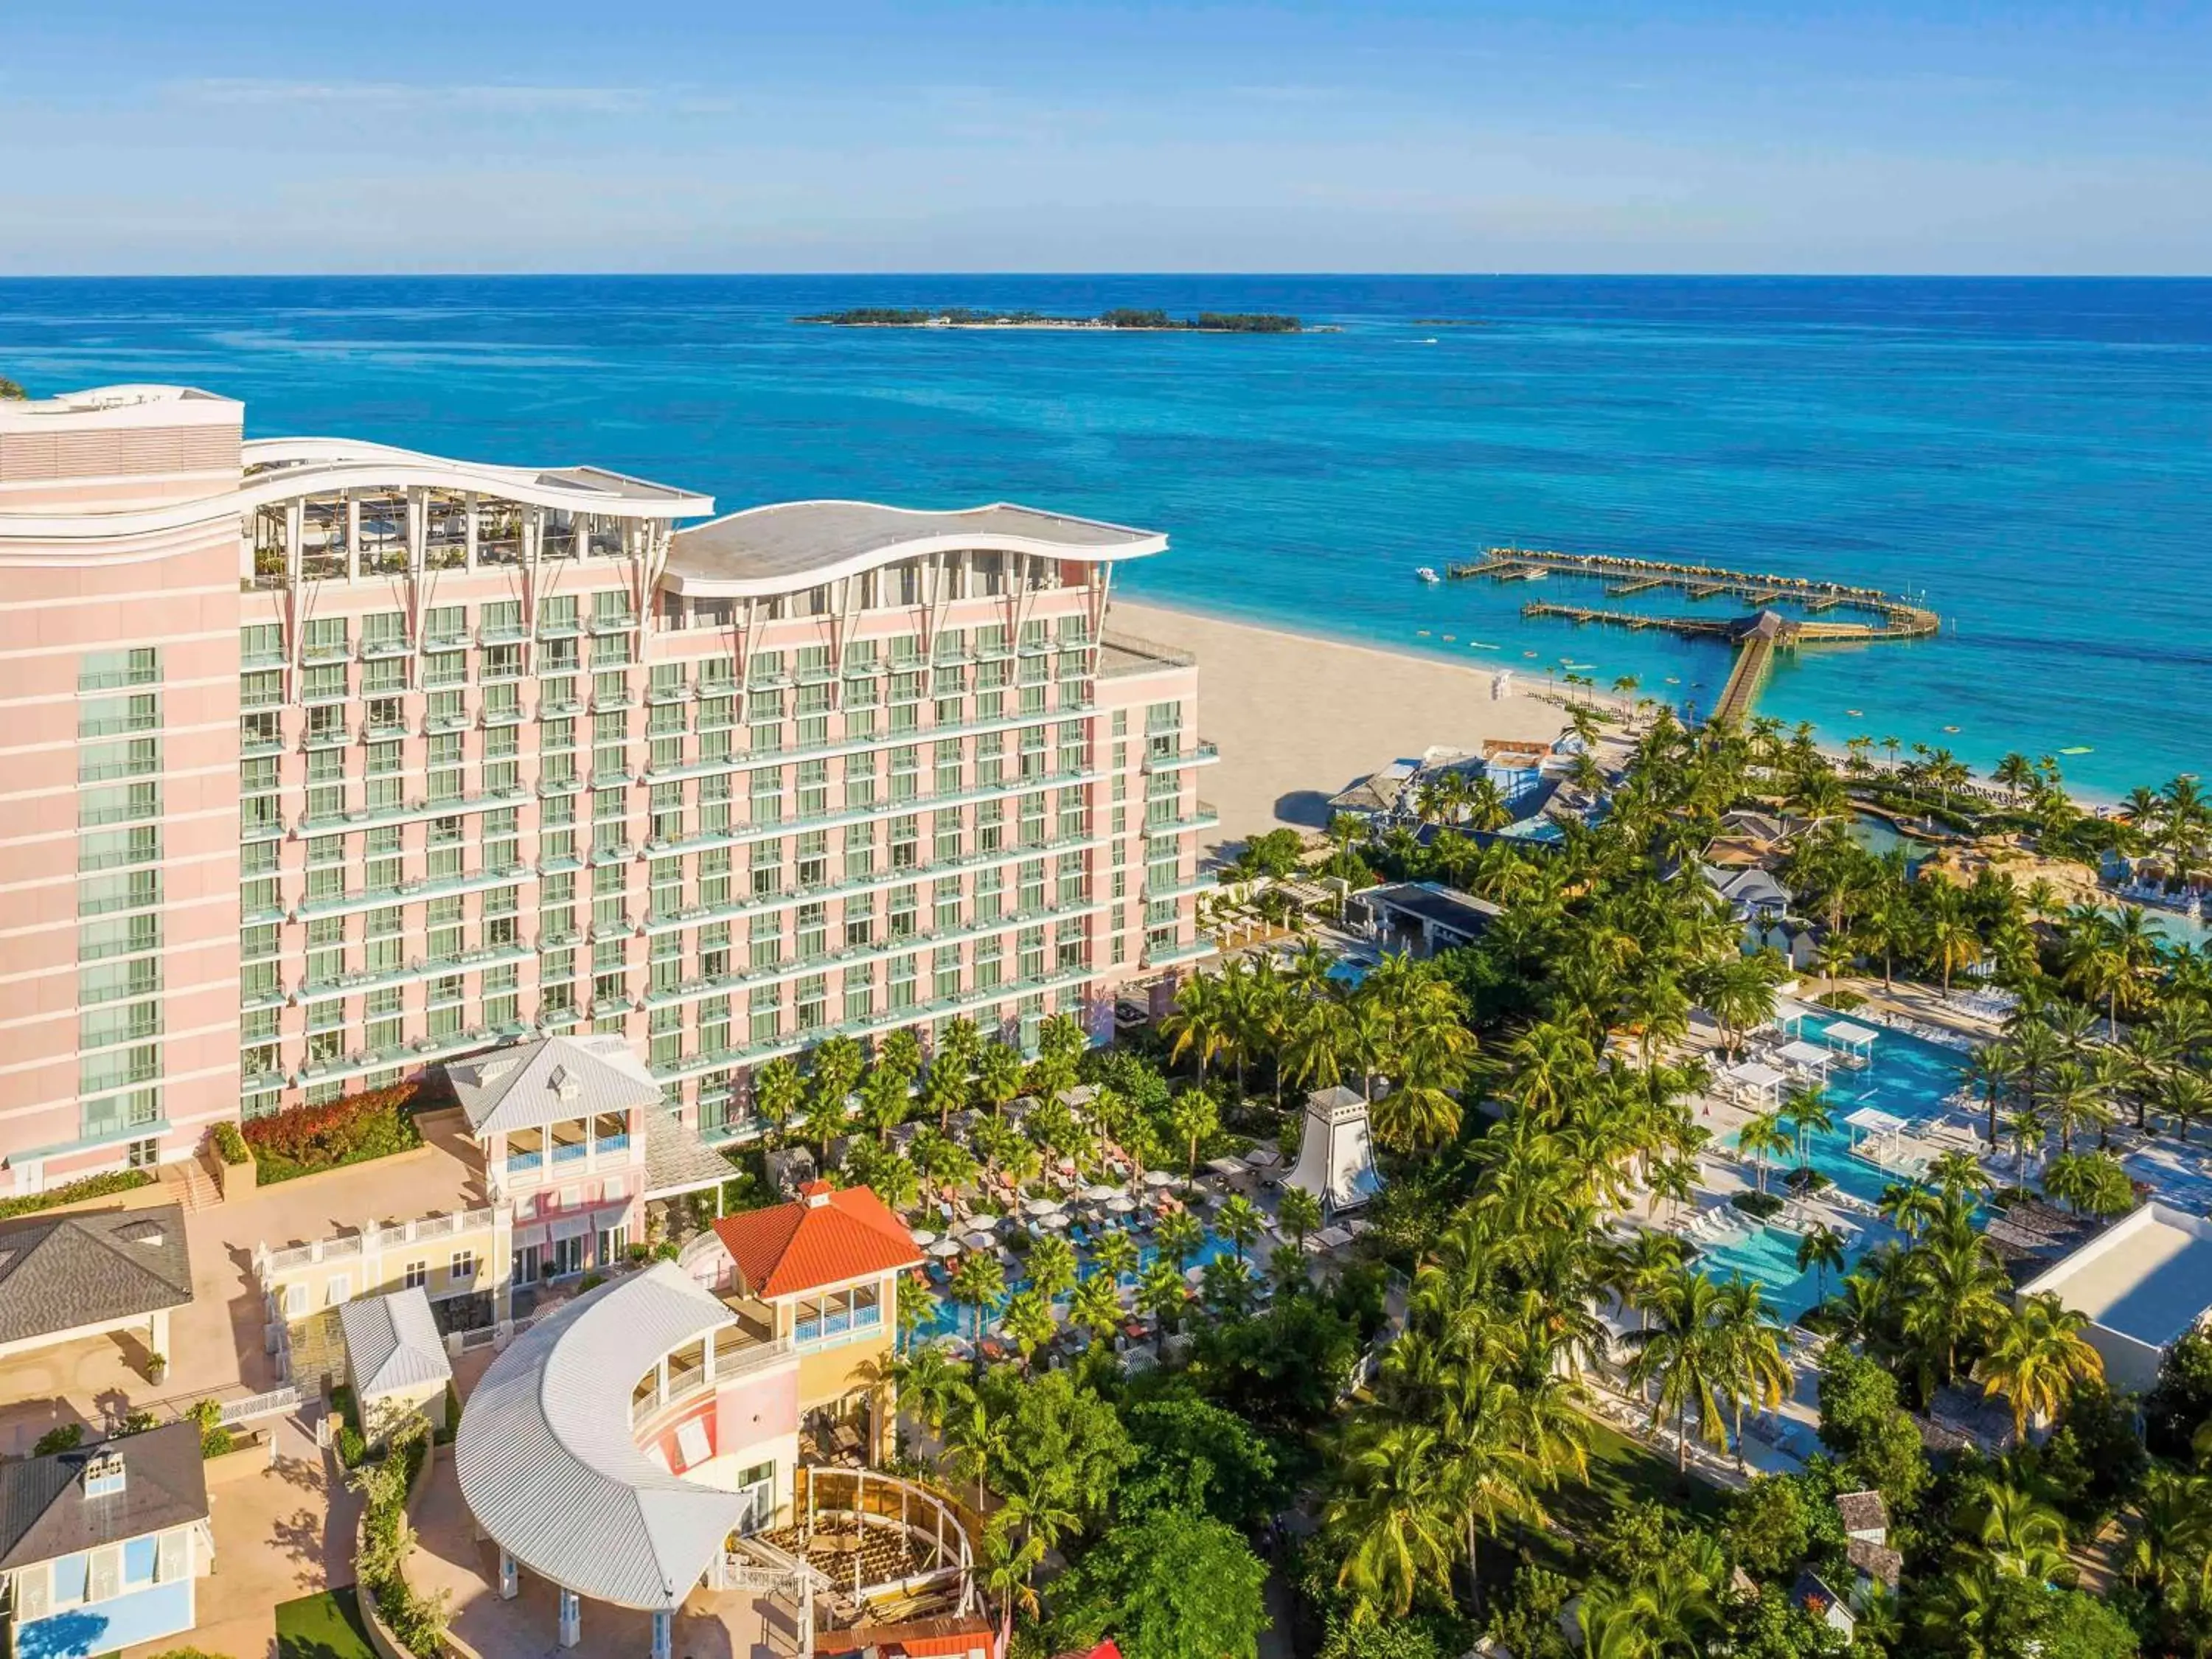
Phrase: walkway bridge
x=1758 y=635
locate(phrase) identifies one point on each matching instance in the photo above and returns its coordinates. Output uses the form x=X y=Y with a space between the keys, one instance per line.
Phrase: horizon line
x=1033 y=276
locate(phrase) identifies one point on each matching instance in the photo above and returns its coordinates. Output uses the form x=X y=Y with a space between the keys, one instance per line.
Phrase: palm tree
x=1486 y=1468
x=1180 y=1237
x=835 y=1069
x=930 y=1388
x=1028 y=1322
x=1163 y=1293
x=1810 y=1112
x=1113 y=1257
x=884 y=1102
x=2023 y=1535
x=978 y=1283
x=778 y=1091
x=1760 y=1138
x=900 y=1051
x=1749 y=1343
x=1096 y=1306
x=2089 y=1183
x=1955 y=1295
x=1193 y=1117
x=1990 y=1068
x=1239 y=1221
x=1299 y=1212
x=2037 y=1357
x=1200 y=1023
x=1821 y=1247
x=997 y=1076
x=976 y=1442
x=1392 y=1517
x=1052 y=1266
x=1680 y=1353
x=1909 y=1206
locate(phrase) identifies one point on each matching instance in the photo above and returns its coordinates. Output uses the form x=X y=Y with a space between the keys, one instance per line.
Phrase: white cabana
x=1756 y=1082
x=1872 y=1128
x=1853 y=1044
x=1791 y=1015
x=1809 y=1059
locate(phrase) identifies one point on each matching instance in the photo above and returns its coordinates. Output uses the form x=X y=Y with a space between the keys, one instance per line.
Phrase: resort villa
x=100 y=1547
x=2143 y=1282
x=327 y=762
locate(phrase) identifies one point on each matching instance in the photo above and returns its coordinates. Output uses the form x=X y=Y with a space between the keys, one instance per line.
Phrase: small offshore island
x=1123 y=319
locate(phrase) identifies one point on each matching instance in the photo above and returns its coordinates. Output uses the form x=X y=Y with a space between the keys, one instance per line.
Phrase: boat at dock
x=1427 y=574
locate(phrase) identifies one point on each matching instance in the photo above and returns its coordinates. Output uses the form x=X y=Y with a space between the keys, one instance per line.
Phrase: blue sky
x=578 y=134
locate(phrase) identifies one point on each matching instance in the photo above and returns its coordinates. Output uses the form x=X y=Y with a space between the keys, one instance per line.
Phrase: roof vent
x=563 y=1086
x=103 y=1473
x=816 y=1193
x=148 y=1233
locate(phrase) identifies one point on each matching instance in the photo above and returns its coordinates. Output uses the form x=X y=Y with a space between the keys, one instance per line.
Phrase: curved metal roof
x=545 y=1459
x=767 y=550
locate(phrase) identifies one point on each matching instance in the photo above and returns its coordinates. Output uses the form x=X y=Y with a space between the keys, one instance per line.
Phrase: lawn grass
x=325 y=1626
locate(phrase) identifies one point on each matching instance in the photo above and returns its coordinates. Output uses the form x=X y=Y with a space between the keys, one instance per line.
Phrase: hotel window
x=107 y=671
x=813 y=930
x=946 y=902
x=860 y=924
x=715 y=804
x=819 y=1318
x=859 y=992
x=990 y=895
x=611 y=651
x=714 y=1025
x=765 y=940
x=463 y=1266
x=714 y=878
x=990 y=826
x=764 y=1014
x=945 y=969
x=905 y=905
x=813 y=788
x=904 y=972
x=813 y=1000
x=1031 y=808
x=814 y=858
x=860 y=851
x=945 y=827
x=767 y=794
x=906 y=769
x=714 y=951
x=1031 y=876
x=767 y=867
x=1030 y=952
x=1068 y=944
x=415 y=1275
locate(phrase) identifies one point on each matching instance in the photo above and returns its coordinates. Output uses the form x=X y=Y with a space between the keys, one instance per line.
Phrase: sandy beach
x=1300 y=717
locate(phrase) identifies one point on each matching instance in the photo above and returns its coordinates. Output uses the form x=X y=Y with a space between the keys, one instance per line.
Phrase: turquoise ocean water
x=2035 y=457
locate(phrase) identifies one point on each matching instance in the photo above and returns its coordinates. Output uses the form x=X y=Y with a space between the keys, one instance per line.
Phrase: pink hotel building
x=322 y=761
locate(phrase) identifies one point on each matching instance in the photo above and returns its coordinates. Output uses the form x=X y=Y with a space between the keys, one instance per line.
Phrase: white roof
x=2148 y=1276
x=1844 y=1031
x=1875 y=1119
x=530 y=1084
x=1804 y=1054
x=544 y=1456
x=393 y=1344
x=1757 y=1074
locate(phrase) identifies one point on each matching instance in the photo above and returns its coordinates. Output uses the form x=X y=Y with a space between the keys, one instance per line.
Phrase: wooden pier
x=1758 y=633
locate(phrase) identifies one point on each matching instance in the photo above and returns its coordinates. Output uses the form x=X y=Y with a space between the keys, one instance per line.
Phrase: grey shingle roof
x=677 y=1160
x=545 y=1461
x=44 y=1512
x=60 y=1271
x=392 y=1343
x=528 y=1083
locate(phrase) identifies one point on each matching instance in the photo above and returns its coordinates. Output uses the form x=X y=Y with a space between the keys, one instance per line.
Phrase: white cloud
x=501 y=97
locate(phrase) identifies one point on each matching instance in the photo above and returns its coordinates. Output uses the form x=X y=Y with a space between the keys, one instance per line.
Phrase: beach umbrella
x=1158 y=1178
x=923 y=1238
x=1057 y=1219
x=1120 y=1204
x=1042 y=1205
x=980 y=1240
x=945 y=1246
x=1100 y=1194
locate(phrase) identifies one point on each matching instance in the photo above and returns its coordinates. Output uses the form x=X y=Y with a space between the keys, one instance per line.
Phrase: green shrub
x=1758 y=1205
x=590 y=1282
x=98 y=1186
x=304 y=1139
x=67 y=1437
x=229 y=1145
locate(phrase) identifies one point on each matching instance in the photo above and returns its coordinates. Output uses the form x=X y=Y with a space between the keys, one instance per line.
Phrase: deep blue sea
x=2033 y=457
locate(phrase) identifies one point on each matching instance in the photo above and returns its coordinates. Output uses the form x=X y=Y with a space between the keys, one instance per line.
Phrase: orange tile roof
x=825 y=1237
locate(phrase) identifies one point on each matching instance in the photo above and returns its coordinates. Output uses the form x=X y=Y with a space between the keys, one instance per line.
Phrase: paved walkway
x=281 y=1532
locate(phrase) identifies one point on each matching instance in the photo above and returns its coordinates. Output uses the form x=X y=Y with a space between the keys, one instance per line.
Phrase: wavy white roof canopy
x=767 y=550
x=546 y=1463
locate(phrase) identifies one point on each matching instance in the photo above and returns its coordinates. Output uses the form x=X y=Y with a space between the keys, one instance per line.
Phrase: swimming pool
x=948 y=1318
x=1908 y=1076
x=1768 y=1256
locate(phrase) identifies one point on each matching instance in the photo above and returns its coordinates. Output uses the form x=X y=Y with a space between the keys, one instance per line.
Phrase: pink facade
x=428 y=755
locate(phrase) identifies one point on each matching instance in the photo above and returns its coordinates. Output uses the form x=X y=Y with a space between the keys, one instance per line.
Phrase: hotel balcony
x=1203 y=754
x=1170 y=956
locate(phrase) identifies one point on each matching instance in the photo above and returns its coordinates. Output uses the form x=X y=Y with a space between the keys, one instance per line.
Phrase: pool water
x=1908 y=1076
x=948 y=1318
x=1768 y=1256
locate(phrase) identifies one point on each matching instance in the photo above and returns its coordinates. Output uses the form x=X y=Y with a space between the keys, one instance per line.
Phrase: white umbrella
x=945 y=1246
x=1100 y=1194
x=1121 y=1204
x=1057 y=1219
x=1042 y=1205
x=1158 y=1178
x=923 y=1238
x=981 y=1241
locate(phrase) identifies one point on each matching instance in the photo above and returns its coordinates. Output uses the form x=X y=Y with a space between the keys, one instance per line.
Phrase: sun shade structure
x=1756 y=1078
x=1804 y=1057
x=1336 y=1164
x=546 y=1463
